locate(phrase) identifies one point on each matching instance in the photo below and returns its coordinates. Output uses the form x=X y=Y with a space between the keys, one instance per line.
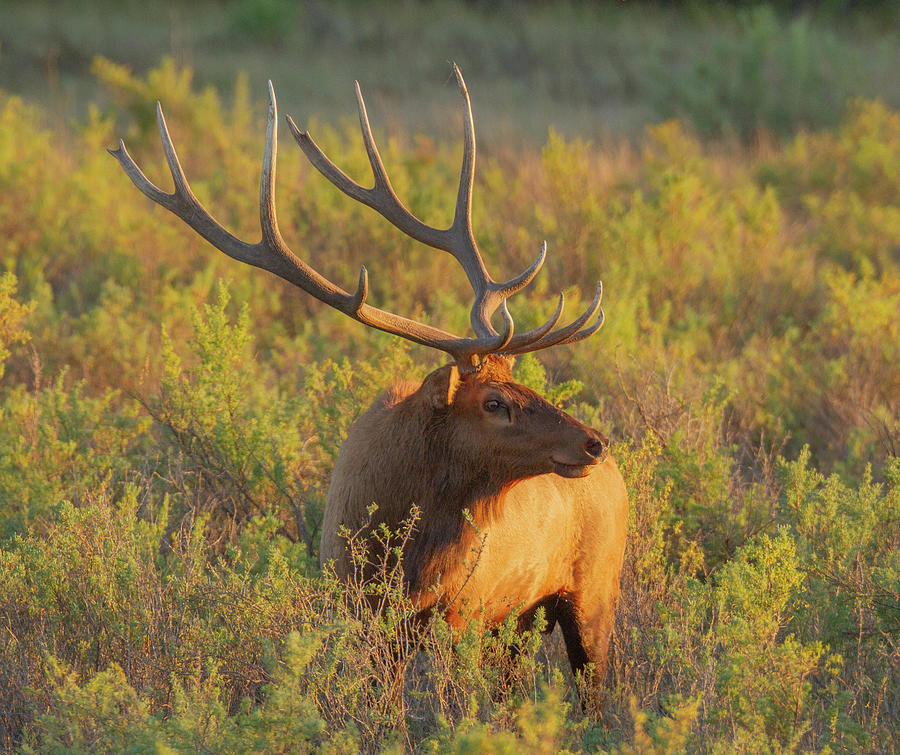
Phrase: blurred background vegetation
x=169 y=419
x=585 y=68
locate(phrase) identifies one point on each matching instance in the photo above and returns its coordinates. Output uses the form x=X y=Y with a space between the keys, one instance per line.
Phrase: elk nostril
x=595 y=448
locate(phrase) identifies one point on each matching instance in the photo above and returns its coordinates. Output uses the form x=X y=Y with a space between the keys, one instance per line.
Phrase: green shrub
x=12 y=316
x=847 y=538
x=58 y=444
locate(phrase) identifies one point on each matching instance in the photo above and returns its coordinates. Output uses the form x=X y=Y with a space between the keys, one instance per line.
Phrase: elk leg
x=568 y=623
x=587 y=634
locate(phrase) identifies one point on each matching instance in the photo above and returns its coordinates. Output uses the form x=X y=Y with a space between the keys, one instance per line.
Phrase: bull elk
x=467 y=444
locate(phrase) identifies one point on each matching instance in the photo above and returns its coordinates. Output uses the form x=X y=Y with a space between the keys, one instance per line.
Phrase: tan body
x=552 y=537
x=542 y=539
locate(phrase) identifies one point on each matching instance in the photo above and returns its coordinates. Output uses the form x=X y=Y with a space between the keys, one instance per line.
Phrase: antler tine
x=571 y=333
x=514 y=285
x=381 y=197
x=462 y=217
x=536 y=334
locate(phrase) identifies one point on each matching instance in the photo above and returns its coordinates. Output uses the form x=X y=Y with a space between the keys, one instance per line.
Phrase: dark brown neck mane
x=465 y=493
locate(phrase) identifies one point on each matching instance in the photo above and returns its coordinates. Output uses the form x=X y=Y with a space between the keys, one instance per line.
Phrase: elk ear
x=439 y=388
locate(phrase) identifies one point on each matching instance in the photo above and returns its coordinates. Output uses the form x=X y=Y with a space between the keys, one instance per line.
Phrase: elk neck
x=459 y=492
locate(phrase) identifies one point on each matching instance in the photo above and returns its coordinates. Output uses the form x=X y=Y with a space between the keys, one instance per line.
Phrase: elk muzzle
x=595 y=450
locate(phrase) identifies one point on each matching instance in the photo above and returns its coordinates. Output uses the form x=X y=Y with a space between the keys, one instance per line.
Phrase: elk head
x=483 y=420
x=272 y=253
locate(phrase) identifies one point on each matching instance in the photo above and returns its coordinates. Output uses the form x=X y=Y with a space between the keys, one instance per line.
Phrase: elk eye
x=493 y=405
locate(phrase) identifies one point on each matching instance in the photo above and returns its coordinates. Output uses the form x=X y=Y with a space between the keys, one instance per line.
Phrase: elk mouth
x=573 y=470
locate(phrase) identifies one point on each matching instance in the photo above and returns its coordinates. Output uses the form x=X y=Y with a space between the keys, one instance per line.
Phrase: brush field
x=169 y=419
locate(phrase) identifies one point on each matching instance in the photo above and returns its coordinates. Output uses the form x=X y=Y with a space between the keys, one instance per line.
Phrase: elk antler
x=272 y=254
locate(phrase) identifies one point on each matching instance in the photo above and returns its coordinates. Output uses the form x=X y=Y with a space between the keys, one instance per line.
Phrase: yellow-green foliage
x=166 y=439
x=12 y=314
